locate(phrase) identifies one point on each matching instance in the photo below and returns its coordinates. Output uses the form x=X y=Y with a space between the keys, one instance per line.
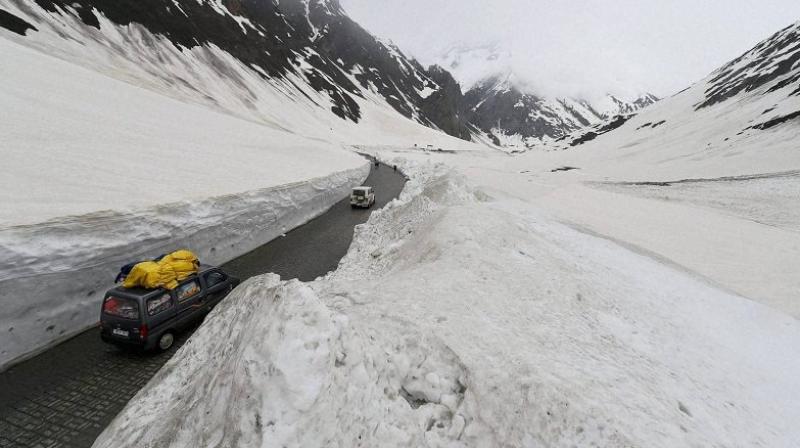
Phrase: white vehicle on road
x=362 y=197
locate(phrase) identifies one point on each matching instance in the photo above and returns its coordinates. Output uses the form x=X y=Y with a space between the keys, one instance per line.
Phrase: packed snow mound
x=554 y=338
x=280 y=368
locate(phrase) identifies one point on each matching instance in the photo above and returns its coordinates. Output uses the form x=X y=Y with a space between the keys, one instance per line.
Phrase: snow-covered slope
x=745 y=113
x=249 y=58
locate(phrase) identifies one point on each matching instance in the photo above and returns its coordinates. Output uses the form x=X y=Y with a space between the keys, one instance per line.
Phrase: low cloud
x=581 y=48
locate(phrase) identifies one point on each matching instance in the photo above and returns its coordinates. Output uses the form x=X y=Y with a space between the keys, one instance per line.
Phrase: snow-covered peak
x=512 y=113
x=611 y=105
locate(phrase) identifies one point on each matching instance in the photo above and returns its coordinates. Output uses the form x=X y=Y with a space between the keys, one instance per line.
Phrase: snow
x=212 y=78
x=144 y=146
x=98 y=173
x=427 y=91
x=497 y=302
x=646 y=298
x=554 y=337
x=152 y=149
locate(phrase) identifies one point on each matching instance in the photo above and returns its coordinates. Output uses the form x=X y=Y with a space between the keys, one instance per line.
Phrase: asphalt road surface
x=66 y=396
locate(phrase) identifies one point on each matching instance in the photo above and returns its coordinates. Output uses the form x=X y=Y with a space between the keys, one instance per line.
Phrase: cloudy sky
x=583 y=47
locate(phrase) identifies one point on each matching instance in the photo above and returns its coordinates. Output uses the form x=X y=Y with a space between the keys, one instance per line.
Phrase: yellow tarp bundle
x=165 y=273
x=183 y=262
x=151 y=275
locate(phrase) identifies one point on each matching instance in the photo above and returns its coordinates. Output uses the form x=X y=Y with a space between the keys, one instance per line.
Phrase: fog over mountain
x=580 y=48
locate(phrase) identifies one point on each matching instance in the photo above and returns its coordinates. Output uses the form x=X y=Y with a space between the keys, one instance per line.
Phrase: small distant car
x=362 y=197
x=149 y=319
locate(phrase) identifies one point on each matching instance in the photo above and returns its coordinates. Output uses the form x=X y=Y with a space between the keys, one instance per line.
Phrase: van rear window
x=119 y=307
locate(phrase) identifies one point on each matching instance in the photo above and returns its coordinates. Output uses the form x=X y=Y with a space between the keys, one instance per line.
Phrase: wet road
x=66 y=396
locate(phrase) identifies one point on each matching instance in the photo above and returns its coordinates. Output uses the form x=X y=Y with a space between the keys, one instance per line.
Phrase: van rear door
x=121 y=318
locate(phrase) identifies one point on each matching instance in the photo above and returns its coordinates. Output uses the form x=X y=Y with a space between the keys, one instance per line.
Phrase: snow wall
x=53 y=275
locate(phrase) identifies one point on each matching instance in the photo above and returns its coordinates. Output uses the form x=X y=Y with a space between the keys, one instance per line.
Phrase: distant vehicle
x=151 y=318
x=362 y=197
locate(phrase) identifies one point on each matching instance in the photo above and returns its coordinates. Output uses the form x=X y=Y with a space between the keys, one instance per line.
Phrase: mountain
x=246 y=57
x=513 y=117
x=309 y=50
x=471 y=64
x=508 y=111
x=747 y=112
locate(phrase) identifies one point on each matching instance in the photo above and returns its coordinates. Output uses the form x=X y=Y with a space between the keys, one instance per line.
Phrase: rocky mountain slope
x=737 y=109
x=514 y=118
x=293 y=45
x=511 y=112
x=308 y=50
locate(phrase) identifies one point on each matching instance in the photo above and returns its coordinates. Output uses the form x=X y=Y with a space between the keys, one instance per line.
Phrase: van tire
x=165 y=341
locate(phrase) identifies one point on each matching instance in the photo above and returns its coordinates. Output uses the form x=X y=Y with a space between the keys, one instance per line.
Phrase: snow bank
x=459 y=319
x=53 y=275
x=74 y=142
x=275 y=366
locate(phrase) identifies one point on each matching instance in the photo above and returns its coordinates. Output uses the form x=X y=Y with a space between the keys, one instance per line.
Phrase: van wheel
x=165 y=341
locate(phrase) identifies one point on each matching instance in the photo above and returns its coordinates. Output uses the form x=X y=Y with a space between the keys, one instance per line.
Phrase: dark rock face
x=440 y=106
x=495 y=105
x=772 y=60
x=13 y=23
x=617 y=122
x=276 y=35
x=794 y=116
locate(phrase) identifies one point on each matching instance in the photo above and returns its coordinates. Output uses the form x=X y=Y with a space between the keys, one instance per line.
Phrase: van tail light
x=143 y=331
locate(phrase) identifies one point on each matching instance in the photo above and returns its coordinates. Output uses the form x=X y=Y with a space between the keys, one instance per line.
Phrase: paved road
x=66 y=396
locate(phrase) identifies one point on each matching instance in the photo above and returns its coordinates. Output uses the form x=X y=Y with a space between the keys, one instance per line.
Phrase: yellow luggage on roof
x=183 y=262
x=166 y=273
x=151 y=275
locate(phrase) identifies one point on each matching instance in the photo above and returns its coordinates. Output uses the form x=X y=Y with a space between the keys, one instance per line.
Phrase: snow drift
x=460 y=319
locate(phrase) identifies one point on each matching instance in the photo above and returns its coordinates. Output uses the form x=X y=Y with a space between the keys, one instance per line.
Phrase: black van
x=150 y=318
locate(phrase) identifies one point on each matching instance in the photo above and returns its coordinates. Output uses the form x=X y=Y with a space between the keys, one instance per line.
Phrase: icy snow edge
x=53 y=275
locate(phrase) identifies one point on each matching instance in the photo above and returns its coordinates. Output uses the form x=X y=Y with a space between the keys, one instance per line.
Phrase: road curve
x=67 y=395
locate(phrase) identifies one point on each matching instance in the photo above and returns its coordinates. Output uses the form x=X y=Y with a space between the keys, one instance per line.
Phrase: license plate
x=119 y=332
